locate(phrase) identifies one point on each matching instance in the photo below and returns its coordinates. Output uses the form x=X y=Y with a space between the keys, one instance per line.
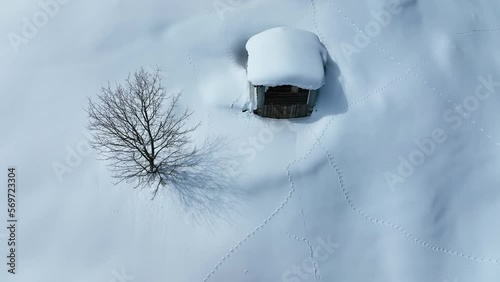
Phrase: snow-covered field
x=393 y=179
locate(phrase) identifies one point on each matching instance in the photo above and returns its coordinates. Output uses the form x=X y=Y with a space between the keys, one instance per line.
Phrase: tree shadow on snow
x=207 y=190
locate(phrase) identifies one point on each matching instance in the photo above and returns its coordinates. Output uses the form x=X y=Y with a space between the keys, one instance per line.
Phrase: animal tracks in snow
x=449 y=46
x=393 y=226
x=452 y=104
x=356 y=27
x=258 y=228
x=311 y=254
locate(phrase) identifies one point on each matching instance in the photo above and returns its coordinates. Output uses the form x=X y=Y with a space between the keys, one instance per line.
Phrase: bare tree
x=145 y=140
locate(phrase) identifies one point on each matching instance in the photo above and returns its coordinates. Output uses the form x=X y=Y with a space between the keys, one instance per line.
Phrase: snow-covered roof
x=286 y=56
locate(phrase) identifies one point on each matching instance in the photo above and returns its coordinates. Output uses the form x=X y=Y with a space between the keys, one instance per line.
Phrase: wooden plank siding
x=283 y=102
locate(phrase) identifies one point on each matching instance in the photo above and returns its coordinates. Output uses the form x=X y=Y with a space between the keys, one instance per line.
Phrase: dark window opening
x=286 y=95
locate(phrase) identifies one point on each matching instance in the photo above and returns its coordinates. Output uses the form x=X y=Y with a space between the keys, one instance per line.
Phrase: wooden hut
x=285 y=71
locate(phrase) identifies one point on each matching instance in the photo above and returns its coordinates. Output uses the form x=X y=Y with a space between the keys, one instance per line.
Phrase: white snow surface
x=286 y=56
x=298 y=200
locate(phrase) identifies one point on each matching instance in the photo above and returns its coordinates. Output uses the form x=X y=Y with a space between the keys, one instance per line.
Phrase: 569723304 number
x=11 y=192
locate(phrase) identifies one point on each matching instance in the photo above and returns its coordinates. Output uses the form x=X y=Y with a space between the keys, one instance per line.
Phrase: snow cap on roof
x=286 y=56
